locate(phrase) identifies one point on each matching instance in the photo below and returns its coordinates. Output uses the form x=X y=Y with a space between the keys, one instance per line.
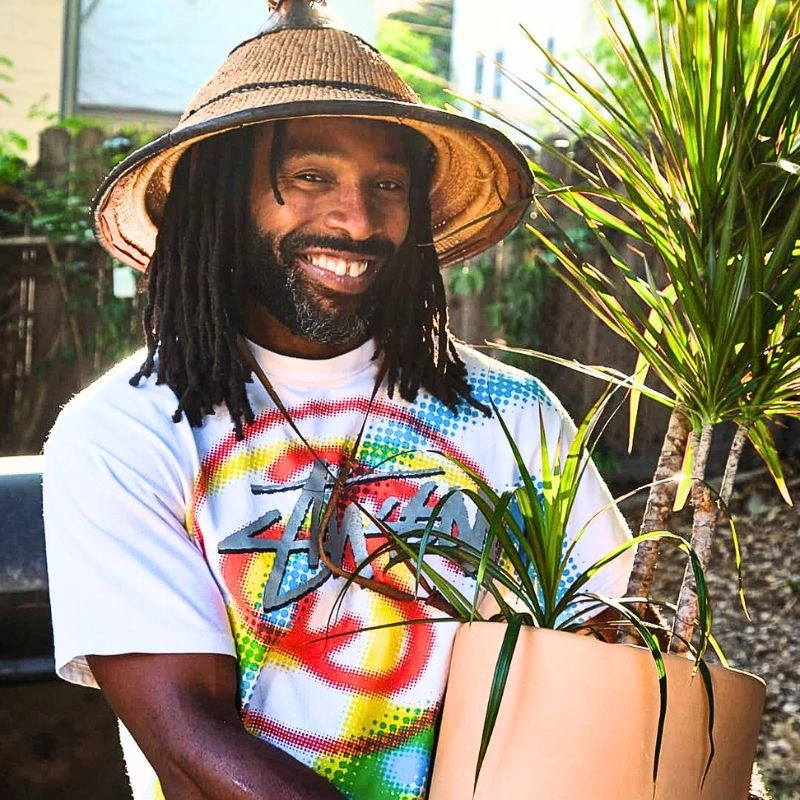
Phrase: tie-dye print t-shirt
x=166 y=538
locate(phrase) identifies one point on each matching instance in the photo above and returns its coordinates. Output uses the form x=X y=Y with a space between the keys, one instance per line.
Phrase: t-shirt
x=163 y=538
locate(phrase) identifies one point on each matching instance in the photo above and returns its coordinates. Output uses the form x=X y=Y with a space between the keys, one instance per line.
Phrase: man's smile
x=343 y=273
x=340 y=266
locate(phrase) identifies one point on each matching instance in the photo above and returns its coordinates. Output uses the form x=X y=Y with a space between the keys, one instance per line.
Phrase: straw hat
x=301 y=65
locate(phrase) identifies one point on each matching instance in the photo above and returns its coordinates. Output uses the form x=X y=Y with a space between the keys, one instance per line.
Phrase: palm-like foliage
x=520 y=568
x=710 y=183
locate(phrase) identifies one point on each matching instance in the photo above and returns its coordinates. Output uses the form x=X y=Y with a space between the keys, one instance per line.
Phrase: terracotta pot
x=578 y=721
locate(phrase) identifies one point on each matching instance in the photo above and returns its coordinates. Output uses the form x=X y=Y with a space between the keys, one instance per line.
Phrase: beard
x=275 y=280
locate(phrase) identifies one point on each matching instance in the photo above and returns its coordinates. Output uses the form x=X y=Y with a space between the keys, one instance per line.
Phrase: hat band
x=365 y=88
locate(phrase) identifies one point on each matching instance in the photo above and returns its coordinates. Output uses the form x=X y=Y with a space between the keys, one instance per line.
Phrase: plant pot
x=579 y=719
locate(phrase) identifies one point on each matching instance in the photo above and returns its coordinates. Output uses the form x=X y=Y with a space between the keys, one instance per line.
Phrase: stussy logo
x=353 y=528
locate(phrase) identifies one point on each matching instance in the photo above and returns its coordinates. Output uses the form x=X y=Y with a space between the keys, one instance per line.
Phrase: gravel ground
x=768 y=645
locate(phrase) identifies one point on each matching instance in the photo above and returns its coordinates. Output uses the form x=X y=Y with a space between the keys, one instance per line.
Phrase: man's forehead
x=336 y=136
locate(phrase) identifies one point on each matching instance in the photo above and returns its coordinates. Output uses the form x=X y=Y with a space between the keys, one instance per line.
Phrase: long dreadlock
x=194 y=288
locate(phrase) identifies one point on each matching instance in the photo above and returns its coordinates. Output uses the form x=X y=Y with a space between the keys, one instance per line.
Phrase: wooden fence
x=56 y=329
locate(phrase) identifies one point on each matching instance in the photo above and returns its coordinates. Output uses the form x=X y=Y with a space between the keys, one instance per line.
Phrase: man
x=297 y=346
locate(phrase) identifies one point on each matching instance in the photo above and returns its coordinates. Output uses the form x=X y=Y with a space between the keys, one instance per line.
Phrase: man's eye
x=391 y=186
x=310 y=177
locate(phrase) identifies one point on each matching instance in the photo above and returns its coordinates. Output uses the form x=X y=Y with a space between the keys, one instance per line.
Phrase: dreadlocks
x=194 y=288
x=413 y=333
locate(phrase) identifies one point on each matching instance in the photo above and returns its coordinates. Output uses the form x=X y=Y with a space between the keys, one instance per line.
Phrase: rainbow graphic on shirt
x=319 y=677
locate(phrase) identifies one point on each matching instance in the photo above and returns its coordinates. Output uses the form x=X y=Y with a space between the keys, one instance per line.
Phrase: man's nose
x=353 y=211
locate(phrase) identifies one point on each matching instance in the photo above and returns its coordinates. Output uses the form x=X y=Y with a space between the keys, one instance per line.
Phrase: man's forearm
x=224 y=762
x=181 y=710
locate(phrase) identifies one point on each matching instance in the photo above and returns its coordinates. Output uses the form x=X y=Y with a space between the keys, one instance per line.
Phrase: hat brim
x=480 y=188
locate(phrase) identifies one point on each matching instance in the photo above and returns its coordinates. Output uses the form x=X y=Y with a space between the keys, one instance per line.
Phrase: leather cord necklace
x=339 y=480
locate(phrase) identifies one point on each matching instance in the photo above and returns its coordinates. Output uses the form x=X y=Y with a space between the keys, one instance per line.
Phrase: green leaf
x=498 y=685
x=684 y=487
x=760 y=437
x=709 y=687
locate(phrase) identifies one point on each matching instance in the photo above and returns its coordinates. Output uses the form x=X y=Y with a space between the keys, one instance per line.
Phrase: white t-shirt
x=163 y=538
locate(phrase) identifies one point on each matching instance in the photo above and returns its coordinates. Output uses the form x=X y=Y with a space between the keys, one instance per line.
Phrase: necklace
x=339 y=481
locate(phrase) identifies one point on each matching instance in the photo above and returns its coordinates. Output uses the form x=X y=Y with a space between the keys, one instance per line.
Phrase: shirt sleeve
x=124 y=574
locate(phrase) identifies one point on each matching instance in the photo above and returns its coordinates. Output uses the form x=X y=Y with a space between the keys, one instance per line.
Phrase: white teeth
x=340 y=267
x=357 y=268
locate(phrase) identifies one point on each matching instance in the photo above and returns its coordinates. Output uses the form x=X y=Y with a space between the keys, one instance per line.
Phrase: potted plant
x=708 y=180
x=534 y=710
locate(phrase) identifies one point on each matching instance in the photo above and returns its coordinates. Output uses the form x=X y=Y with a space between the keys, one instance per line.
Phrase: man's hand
x=181 y=710
x=603 y=625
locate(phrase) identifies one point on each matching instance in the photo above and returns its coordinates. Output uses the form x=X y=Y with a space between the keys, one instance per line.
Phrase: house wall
x=567 y=28
x=152 y=55
x=31 y=36
x=137 y=61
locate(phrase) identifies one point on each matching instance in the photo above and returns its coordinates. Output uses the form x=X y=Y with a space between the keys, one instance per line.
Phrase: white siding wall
x=482 y=30
x=153 y=54
x=31 y=36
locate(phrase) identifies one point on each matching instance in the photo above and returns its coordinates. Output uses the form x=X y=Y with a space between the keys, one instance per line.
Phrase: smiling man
x=322 y=248
x=292 y=228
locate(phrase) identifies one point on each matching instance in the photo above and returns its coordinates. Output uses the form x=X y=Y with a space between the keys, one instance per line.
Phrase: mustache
x=375 y=247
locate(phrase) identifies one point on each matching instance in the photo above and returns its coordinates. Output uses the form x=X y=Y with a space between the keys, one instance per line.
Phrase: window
x=551 y=49
x=499 y=58
x=479 y=59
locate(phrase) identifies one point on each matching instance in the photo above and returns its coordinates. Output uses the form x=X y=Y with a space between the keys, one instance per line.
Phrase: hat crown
x=295 y=14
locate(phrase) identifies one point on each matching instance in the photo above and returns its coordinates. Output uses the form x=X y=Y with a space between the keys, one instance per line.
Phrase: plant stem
x=704 y=520
x=732 y=464
x=706 y=514
x=656 y=513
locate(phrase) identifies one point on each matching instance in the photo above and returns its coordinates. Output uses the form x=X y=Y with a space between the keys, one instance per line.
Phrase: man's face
x=318 y=264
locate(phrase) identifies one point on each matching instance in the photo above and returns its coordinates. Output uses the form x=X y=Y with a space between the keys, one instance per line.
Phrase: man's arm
x=181 y=710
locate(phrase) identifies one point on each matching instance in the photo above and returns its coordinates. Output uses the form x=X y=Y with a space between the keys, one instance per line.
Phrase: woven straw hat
x=301 y=65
